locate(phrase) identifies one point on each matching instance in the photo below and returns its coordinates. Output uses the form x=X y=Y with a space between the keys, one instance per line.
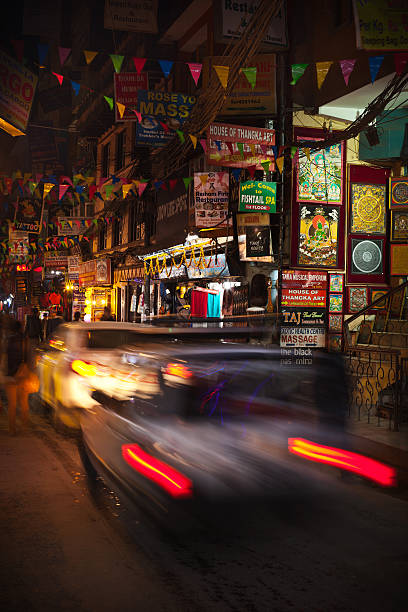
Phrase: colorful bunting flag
x=293 y=152
x=90 y=56
x=222 y=74
x=400 y=62
x=203 y=143
x=63 y=53
x=126 y=189
x=193 y=140
x=172 y=184
x=297 y=71
x=251 y=170
x=47 y=189
x=166 y=66
x=279 y=163
x=253 y=150
x=195 y=70
x=138 y=115
x=218 y=144
x=62 y=191
x=180 y=134
x=117 y=61
x=203 y=178
x=240 y=148
x=109 y=101
x=121 y=109
x=265 y=165
x=187 y=180
x=236 y=173
x=375 y=62
x=347 y=67
x=141 y=188
x=322 y=68
x=76 y=87
x=250 y=74
x=164 y=126
x=59 y=77
x=139 y=63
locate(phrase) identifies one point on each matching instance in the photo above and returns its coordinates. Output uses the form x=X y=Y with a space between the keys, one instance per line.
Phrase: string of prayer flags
x=322 y=68
x=139 y=63
x=297 y=71
x=109 y=101
x=63 y=53
x=222 y=74
x=76 y=87
x=121 y=109
x=193 y=140
x=42 y=49
x=347 y=67
x=187 y=180
x=166 y=66
x=195 y=70
x=90 y=56
x=117 y=61
x=375 y=63
x=59 y=77
x=250 y=74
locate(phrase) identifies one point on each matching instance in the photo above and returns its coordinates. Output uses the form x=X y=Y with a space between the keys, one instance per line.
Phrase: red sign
x=239 y=146
x=127 y=84
x=304 y=297
x=22 y=268
x=95 y=272
x=304 y=279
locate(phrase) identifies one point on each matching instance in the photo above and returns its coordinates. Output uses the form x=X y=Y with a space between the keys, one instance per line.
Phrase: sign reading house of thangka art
x=399 y=192
x=17 y=88
x=170 y=108
x=126 y=87
x=211 y=192
x=320 y=175
x=28 y=215
x=318 y=231
x=257 y=196
x=239 y=146
x=367 y=209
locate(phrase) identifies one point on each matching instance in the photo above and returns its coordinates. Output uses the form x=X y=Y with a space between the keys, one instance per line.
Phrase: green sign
x=259 y=196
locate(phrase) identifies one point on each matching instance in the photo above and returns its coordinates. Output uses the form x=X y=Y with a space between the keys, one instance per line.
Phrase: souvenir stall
x=128 y=286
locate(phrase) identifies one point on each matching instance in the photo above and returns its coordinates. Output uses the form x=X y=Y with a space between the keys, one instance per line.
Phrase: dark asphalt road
x=66 y=545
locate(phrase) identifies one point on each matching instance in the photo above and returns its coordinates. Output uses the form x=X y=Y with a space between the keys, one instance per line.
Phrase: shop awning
x=128 y=273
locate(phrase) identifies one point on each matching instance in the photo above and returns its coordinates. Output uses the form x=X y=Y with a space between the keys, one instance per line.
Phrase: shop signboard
x=131 y=16
x=304 y=297
x=17 y=88
x=257 y=195
x=258 y=241
x=28 y=215
x=74 y=262
x=95 y=272
x=235 y=16
x=245 y=99
x=305 y=337
x=72 y=226
x=239 y=146
x=126 y=87
x=304 y=279
x=299 y=316
x=248 y=224
x=19 y=247
x=161 y=106
x=172 y=216
x=55 y=259
x=381 y=25
x=214 y=265
x=211 y=192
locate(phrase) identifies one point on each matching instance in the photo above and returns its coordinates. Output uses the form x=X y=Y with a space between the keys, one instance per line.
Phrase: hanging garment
x=213 y=305
x=199 y=302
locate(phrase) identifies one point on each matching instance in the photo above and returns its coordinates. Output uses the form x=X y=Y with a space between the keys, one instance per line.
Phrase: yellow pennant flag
x=79 y=177
x=279 y=163
x=322 y=68
x=222 y=73
x=37 y=193
x=306 y=151
x=90 y=55
x=18 y=174
x=27 y=176
x=203 y=178
x=253 y=150
x=193 y=140
x=121 y=109
x=47 y=189
x=125 y=189
x=136 y=183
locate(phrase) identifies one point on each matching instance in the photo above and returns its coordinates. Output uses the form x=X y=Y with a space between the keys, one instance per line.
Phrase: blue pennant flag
x=42 y=52
x=375 y=63
x=236 y=173
x=158 y=184
x=218 y=143
x=166 y=66
x=76 y=87
x=275 y=151
x=115 y=179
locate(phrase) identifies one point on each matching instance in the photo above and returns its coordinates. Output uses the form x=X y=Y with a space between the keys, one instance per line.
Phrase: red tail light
x=346 y=460
x=162 y=474
x=178 y=369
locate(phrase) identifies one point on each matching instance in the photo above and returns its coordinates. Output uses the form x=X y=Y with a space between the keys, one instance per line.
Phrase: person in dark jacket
x=33 y=327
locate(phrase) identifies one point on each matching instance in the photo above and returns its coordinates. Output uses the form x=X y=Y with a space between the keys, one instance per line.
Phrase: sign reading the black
x=28 y=216
x=258 y=241
x=304 y=316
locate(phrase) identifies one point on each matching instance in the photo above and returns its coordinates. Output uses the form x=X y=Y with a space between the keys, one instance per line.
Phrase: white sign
x=236 y=14
x=211 y=194
x=313 y=337
x=19 y=245
x=131 y=15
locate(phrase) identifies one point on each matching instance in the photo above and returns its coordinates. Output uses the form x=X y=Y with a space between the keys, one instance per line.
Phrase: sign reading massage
x=17 y=88
x=257 y=196
x=161 y=106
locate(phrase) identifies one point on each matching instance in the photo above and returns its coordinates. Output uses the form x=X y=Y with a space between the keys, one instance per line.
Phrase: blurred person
x=54 y=321
x=107 y=314
x=33 y=327
x=77 y=316
x=45 y=326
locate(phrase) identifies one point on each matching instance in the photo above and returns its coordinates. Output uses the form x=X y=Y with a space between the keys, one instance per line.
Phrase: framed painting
x=366 y=261
x=335 y=322
x=357 y=298
x=399 y=225
x=336 y=283
x=320 y=175
x=377 y=294
x=399 y=192
x=335 y=302
x=399 y=259
x=318 y=236
x=334 y=343
x=367 y=203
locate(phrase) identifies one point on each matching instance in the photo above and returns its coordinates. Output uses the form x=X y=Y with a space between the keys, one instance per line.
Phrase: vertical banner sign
x=17 y=88
x=211 y=190
x=131 y=16
x=126 y=87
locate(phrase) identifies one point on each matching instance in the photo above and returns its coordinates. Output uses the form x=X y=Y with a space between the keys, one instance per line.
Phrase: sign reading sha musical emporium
x=257 y=196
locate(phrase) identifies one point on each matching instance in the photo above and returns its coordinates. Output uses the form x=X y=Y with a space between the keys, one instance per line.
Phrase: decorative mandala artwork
x=318 y=229
x=399 y=192
x=368 y=209
x=366 y=256
x=319 y=175
x=358 y=298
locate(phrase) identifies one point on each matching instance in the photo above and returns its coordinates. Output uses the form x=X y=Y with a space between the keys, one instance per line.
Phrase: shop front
x=95 y=279
x=128 y=286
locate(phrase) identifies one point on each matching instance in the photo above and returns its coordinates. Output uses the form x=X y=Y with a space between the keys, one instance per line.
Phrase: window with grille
x=120 y=150
x=136 y=226
x=117 y=231
x=102 y=245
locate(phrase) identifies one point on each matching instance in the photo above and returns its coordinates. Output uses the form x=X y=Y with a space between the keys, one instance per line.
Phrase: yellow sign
x=381 y=25
x=17 y=88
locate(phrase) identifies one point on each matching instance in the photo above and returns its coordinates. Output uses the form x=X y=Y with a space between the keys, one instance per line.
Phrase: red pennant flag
x=139 y=63
x=164 y=126
x=251 y=170
x=195 y=70
x=172 y=183
x=203 y=143
x=138 y=115
x=62 y=191
x=63 y=53
x=264 y=148
x=400 y=61
x=59 y=77
x=347 y=67
x=92 y=190
x=163 y=186
x=141 y=188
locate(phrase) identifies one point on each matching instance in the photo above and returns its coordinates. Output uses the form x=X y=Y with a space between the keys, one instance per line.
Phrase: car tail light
x=84 y=368
x=178 y=369
x=159 y=472
x=345 y=460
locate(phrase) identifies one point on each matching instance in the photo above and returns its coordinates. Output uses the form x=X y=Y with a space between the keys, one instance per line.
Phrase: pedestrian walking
x=53 y=322
x=33 y=327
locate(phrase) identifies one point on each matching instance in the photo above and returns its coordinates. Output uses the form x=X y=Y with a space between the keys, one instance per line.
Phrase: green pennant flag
x=297 y=72
x=293 y=152
x=109 y=189
x=240 y=148
x=32 y=187
x=109 y=101
x=265 y=165
x=187 y=180
x=250 y=74
x=117 y=61
x=180 y=134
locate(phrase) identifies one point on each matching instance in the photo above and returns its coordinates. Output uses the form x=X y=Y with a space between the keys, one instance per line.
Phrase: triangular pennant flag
x=293 y=151
x=250 y=74
x=279 y=163
x=375 y=62
x=92 y=190
x=230 y=147
x=253 y=150
x=157 y=185
x=76 y=87
x=138 y=115
x=347 y=67
x=59 y=77
x=193 y=140
x=126 y=189
x=47 y=189
x=240 y=148
x=62 y=191
x=27 y=176
x=66 y=179
x=18 y=46
x=139 y=63
x=275 y=151
x=141 y=188
x=108 y=190
x=187 y=180
x=203 y=143
x=297 y=72
x=109 y=101
x=42 y=52
x=203 y=178
x=90 y=56
x=222 y=74
x=400 y=62
x=63 y=53
x=164 y=126
x=18 y=174
x=172 y=184
x=264 y=148
x=236 y=173
x=121 y=109
x=117 y=61
x=265 y=165
x=218 y=144
x=251 y=170
x=166 y=66
x=195 y=70
x=322 y=68
x=180 y=134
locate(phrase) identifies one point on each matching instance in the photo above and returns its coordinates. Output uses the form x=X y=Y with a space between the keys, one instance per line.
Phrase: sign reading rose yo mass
x=257 y=195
